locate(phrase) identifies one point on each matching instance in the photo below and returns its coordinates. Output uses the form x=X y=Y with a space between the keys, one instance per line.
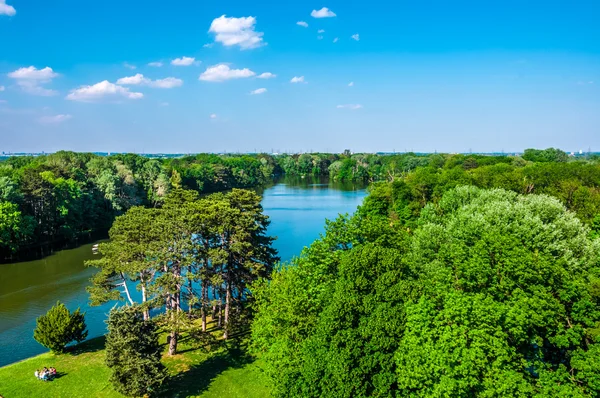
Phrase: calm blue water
x=297 y=209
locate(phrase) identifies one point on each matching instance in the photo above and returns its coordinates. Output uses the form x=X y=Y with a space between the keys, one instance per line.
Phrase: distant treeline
x=62 y=196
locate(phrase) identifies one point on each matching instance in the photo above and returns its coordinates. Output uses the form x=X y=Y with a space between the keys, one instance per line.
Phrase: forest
x=66 y=196
x=437 y=287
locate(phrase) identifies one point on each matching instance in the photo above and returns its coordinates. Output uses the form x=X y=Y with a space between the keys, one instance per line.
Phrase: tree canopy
x=489 y=293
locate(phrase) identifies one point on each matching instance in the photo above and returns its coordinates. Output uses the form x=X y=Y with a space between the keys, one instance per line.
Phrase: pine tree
x=59 y=327
x=133 y=353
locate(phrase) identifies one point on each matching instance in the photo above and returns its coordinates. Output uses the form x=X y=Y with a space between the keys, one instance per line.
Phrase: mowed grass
x=211 y=368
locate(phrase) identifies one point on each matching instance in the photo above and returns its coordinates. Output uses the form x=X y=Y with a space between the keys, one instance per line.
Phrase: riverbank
x=210 y=369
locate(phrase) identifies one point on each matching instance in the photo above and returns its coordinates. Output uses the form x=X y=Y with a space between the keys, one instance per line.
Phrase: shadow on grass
x=91 y=345
x=199 y=377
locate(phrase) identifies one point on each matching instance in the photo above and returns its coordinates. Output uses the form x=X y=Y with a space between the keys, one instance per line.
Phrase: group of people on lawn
x=45 y=373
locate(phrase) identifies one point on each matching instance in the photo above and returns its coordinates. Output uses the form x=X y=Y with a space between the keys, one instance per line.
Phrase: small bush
x=59 y=327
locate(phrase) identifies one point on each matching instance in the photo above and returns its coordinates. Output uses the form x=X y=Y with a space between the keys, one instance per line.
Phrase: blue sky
x=433 y=75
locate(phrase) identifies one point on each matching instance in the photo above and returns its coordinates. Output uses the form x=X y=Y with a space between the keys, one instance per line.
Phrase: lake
x=297 y=209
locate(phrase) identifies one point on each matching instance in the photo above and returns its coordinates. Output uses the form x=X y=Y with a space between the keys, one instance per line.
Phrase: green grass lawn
x=202 y=369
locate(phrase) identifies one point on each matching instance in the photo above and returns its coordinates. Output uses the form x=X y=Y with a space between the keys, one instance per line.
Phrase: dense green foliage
x=133 y=353
x=60 y=327
x=488 y=293
x=62 y=196
x=199 y=253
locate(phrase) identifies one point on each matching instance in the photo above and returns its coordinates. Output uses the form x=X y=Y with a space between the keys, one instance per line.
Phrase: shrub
x=59 y=327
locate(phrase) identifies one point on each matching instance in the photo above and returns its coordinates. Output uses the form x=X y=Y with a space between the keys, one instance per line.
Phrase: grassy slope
x=214 y=369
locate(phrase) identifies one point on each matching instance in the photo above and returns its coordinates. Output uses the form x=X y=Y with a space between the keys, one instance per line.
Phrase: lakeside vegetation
x=66 y=196
x=459 y=275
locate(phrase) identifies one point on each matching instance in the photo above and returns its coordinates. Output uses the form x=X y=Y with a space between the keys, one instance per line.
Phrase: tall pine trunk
x=227 y=308
x=144 y=299
x=204 y=304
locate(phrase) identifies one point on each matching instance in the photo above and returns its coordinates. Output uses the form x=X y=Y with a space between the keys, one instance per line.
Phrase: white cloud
x=350 y=106
x=30 y=80
x=266 y=75
x=32 y=73
x=183 y=61
x=5 y=9
x=335 y=40
x=350 y=84
x=236 y=32
x=302 y=23
x=258 y=91
x=129 y=66
x=208 y=45
x=156 y=64
x=322 y=13
x=55 y=119
x=222 y=72
x=169 y=82
x=355 y=37
x=164 y=104
x=102 y=90
x=297 y=79
x=213 y=115
x=137 y=79
x=321 y=31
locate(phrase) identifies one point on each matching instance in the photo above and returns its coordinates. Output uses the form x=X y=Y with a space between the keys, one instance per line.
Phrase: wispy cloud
x=156 y=64
x=350 y=106
x=355 y=37
x=31 y=79
x=335 y=40
x=2 y=88
x=322 y=13
x=297 y=79
x=223 y=72
x=55 y=119
x=139 y=79
x=231 y=31
x=5 y=9
x=101 y=91
x=184 y=61
x=321 y=31
x=129 y=66
x=258 y=91
x=302 y=23
x=350 y=84
x=266 y=75
x=213 y=115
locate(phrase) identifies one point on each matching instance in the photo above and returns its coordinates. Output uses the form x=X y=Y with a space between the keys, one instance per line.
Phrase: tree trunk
x=144 y=299
x=173 y=343
x=126 y=289
x=203 y=309
x=220 y=324
x=227 y=309
x=190 y=306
